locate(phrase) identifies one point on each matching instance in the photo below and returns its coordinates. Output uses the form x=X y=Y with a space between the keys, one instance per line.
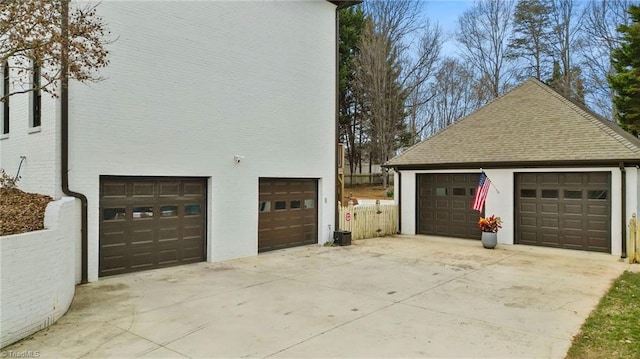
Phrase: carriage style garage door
x=564 y=210
x=287 y=213
x=148 y=223
x=444 y=205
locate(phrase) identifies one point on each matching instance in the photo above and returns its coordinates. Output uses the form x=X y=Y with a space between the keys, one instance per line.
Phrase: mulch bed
x=21 y=211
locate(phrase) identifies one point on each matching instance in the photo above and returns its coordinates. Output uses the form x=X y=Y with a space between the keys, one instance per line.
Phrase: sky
x=446 y=13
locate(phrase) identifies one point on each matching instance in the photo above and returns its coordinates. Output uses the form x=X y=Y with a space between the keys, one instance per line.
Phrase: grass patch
x=367 y=192
x=613 y=328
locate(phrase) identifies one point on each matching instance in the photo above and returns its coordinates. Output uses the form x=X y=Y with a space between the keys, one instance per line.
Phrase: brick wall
x=40 y=171
x=38 y=272
x=192 y=84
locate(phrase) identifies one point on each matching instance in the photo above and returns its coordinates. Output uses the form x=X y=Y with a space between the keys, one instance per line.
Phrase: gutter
x=514 y=164
x=399 y=202
x=623 y=184
x=64 y=151
x=336 y=215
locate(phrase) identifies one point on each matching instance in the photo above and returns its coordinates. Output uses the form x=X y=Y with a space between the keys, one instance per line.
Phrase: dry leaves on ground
x=20 y=211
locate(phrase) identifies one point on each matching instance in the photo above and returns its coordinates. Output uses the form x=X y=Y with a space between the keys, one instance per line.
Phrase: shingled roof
x=532 y=125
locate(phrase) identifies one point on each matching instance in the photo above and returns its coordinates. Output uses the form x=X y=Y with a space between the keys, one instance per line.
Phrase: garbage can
x=342 y=238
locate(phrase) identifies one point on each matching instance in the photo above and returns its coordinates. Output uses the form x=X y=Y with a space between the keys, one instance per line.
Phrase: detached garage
x=561 y=175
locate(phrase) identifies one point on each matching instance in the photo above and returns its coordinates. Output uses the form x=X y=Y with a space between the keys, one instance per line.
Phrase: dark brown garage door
x=444 y=205
x=148 y=223
x=564 y=210
x=288 y=213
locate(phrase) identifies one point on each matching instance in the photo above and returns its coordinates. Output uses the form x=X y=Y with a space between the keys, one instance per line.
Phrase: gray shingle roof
x=530 y=124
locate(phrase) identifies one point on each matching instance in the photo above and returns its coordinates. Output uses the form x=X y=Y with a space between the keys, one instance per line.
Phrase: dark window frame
x=5 y=93
x=36 y=118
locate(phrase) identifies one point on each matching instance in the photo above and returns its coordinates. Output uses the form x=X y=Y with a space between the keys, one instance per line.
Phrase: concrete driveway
x=405 y=296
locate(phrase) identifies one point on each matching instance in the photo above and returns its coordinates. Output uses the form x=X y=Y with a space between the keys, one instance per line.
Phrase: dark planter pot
x=489 y=239
x=342 y=238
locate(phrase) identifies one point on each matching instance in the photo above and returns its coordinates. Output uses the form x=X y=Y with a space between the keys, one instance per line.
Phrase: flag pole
x=490 y=181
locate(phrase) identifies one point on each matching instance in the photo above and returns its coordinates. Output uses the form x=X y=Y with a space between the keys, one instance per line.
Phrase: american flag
x=481 y=192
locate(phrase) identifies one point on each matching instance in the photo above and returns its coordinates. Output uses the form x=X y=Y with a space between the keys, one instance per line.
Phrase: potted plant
x=489 y=227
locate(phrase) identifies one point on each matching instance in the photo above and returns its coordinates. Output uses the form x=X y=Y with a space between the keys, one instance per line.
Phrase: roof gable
x=531 y=123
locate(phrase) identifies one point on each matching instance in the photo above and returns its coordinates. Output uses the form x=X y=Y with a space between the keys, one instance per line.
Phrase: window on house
x=37 y=98
x=5 y=94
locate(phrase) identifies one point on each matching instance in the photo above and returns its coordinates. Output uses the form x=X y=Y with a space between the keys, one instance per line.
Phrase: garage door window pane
x=442 y=191
x=295 y=204
x=309 y=203
x=549 y=193
x=168 y=211
x=459 y=191
x=112 y=214
x=528 y=193
x=572 y=194
x=264 y=206
x=472 y=191
x=192 y=210
x=142 y=212
x=281 y=205
x=598 y=195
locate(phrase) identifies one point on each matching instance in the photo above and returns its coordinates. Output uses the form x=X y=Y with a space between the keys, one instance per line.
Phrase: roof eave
x=516 y=164
x=341 y=4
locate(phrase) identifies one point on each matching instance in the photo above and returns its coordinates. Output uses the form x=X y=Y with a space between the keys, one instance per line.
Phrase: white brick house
x=211 y=137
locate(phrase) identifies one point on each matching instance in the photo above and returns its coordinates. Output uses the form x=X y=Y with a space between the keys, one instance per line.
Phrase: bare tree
x=454 y=96
x=566 y=26
x=31 y=38
x=416 y=81
x=483 y=33
x=601 y=19
x=379 y=90
x=397 y=57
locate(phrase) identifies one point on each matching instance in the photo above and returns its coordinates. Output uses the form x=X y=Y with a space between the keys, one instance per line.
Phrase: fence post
x=351 y=216
x=633 y=250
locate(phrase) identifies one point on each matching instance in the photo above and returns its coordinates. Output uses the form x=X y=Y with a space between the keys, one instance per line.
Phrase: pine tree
x=625 y=82
x=531 y=37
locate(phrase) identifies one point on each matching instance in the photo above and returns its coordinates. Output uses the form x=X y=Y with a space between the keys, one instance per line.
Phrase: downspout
x=64 y=128
x=399 y=201
x=623 y=184
x=336 y=219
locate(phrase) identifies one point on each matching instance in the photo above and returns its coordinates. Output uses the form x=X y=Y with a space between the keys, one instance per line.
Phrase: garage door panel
x=194 y=189
x=575 y=224
x=459 y=217
x=143 y=189
x=170 y=189
x=602 y=226
x=529 y=221
x=547 y=178
x=528 y=178
x=569 y=209
x=573 y=178
x=152 y=222
x=550 y=239
x=550 y=222
x=549 y=208
x=579 y=202
x=528 y=207
x=114 y=190
x=457 y=204
x=597 y=209
x=442 y=204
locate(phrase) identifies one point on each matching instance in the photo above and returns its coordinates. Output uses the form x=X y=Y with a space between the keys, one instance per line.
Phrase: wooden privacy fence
x=633 y=240
x=368 y=221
